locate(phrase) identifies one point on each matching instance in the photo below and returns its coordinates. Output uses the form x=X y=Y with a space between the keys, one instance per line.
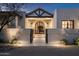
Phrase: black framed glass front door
x=39 y=28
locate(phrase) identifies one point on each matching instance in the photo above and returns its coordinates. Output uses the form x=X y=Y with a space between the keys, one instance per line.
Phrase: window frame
x=12 y=24
x=15 y=25
x=71 y=25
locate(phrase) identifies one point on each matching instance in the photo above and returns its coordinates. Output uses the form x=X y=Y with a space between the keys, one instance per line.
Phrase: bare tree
x=14 y=6
x=5 y=18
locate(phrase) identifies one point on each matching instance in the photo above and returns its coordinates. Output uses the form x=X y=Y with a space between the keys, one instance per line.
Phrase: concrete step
x=39 y=40
x=39 y=35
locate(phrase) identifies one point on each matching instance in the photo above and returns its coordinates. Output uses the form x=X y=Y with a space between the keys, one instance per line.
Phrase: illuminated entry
x=39 y=27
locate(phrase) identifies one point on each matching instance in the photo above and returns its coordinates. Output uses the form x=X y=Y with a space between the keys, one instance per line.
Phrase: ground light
x=58 y=44
x=20 y=43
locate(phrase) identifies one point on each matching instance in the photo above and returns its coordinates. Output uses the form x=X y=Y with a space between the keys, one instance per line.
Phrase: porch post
x=31 y=36
x=46 y=37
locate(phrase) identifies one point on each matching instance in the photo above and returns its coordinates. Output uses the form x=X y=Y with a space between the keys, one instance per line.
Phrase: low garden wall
x=59 y=34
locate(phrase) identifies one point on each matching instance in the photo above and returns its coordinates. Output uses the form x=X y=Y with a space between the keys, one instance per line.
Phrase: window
x=67 y=24
x=12 y=24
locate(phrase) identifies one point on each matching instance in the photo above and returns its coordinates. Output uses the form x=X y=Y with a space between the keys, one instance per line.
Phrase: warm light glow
x=20 y=43
x=58 y=44
x=76 y=24
x=12 y=32
x=48 y=22
x=67 y=24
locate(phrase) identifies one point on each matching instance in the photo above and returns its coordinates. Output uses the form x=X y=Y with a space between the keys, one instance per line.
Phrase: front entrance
x=39 y=21
x=39 y=33
x=39 y=28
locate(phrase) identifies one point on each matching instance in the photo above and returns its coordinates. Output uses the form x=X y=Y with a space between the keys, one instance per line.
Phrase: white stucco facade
x=54 y=25
x=60 y=33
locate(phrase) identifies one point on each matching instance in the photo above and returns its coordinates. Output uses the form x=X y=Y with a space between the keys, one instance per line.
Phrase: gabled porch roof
x=39 y=12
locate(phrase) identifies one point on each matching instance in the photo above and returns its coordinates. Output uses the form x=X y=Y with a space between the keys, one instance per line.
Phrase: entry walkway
x=39 y=40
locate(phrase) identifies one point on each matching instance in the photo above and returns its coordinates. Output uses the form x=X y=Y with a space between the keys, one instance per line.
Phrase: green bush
x=76 y=41
x=64 y=41
x=14 y=41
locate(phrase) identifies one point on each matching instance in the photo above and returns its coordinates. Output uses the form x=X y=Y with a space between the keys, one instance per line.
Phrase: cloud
x=26 y=10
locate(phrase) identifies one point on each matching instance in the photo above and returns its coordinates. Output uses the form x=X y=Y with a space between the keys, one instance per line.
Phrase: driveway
x=41 y=51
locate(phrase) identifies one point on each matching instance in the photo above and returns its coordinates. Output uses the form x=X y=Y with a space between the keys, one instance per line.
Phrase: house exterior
x=40 y=27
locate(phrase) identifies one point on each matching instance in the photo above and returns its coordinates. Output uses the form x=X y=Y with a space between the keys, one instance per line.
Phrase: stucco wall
x=67 y=14
x=54 y=35
x=59 y=34
x=20 y=34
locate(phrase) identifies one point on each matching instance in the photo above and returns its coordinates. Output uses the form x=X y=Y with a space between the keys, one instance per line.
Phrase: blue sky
x=49 y=6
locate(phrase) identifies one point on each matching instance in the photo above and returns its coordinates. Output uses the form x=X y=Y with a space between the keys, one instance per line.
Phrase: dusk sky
x=49 y=7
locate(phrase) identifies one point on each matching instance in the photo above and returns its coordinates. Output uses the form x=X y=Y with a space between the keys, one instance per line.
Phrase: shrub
x=14 y=41
x=64 y=41
x=76 y=41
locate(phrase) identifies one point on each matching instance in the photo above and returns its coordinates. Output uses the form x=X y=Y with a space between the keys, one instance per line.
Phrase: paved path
x=42 y=51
